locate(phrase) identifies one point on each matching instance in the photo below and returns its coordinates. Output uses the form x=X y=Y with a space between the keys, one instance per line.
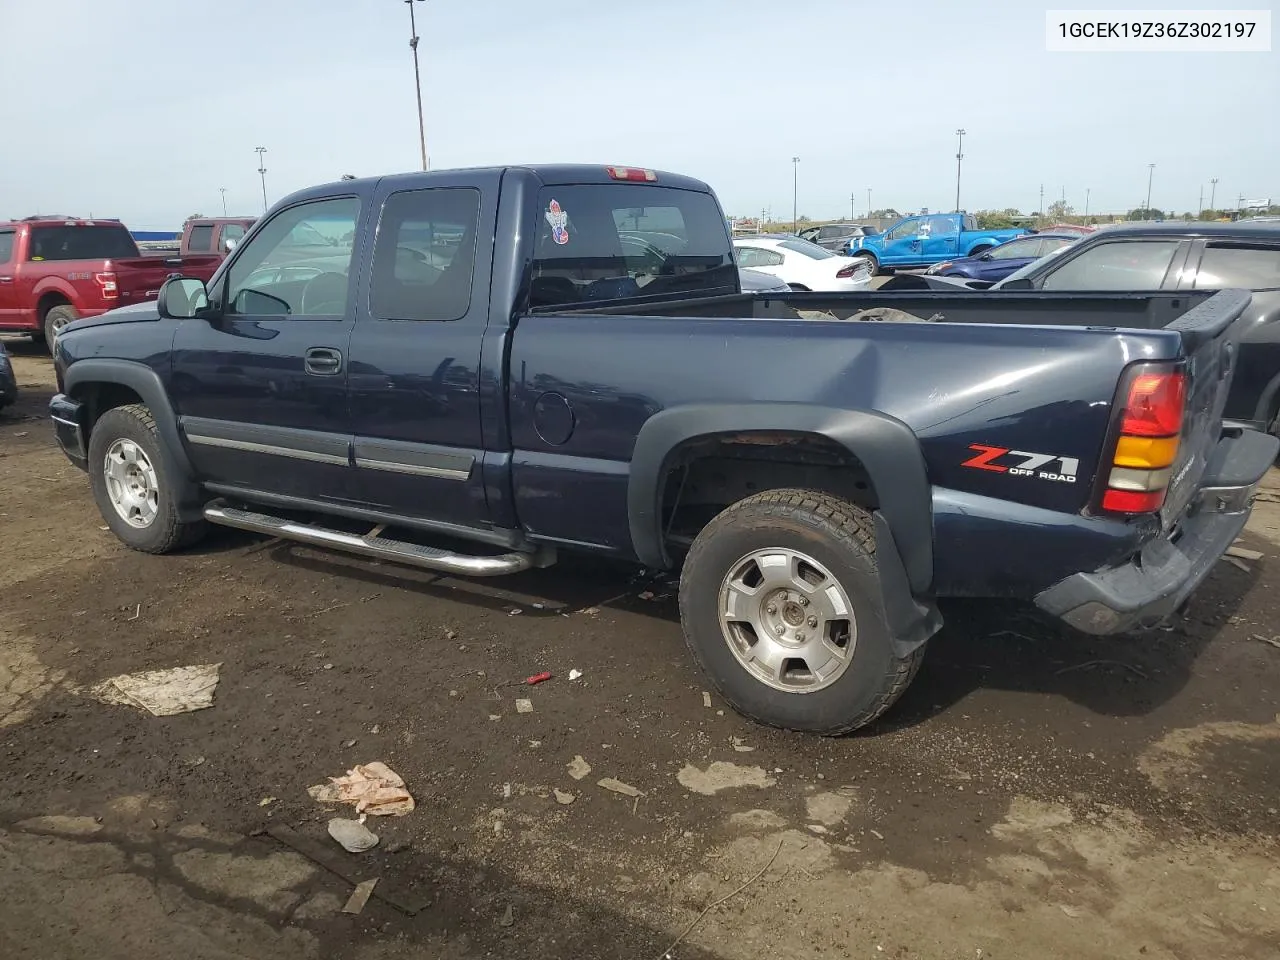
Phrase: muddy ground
x=1036 y=793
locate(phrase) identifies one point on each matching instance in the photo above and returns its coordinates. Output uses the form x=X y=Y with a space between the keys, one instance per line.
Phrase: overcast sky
x=142 y=109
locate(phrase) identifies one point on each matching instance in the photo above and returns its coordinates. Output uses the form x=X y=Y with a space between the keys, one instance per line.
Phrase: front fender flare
x=886 y=447
x=146 y=383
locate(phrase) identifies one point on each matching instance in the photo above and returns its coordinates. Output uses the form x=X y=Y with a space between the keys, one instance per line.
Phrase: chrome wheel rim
x=131 y=481
x=787 y=620
x=58 y=324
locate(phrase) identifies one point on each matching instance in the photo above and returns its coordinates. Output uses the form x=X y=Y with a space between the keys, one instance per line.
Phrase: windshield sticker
x=559 y=221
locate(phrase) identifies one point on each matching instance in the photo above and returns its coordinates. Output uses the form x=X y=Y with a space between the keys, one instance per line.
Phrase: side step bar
x=372 y=545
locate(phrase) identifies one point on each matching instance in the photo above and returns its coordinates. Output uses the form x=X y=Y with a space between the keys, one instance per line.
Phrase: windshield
x=810 y=250
x=1034 y=265
x=618 y=241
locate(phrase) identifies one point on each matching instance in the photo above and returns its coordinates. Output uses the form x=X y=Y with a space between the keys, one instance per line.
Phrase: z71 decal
x=1023 y=463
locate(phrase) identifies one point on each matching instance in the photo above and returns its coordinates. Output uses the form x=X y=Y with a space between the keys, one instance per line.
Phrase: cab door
x=8 y=279
x=261 y=390
x=902 y=242
x=941 y=238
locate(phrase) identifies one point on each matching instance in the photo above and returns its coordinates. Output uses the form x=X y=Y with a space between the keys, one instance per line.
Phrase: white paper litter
x=162 y=693
x=373 y=787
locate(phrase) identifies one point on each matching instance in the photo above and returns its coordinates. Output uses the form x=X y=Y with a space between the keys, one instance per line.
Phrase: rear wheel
x=780 y=602
x=131 y=482
x=57 y=318
x=871 y=261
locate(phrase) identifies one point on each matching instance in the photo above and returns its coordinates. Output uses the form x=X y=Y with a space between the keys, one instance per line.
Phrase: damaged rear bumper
x=1153 y=584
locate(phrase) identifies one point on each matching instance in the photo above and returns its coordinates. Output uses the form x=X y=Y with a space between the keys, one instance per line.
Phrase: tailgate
x=140 y=279
x=1210 y=362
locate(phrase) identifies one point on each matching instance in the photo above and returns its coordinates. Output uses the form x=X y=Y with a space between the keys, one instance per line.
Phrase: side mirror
x=985 y=256
x=182 y=298
x=228 y=245
x=1022 y=283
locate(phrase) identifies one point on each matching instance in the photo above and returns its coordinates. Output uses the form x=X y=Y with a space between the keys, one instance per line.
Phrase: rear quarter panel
x=1046 y=391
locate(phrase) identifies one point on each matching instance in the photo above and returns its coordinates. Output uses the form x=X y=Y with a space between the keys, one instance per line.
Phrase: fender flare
x=146 y=383
x=884 y=445
x=62 y=288
x=985 y=243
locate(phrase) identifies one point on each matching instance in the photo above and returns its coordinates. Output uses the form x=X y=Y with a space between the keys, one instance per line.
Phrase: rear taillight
x=1149 y=431
x=633 y=174
x=853 y=270
x=107 y=283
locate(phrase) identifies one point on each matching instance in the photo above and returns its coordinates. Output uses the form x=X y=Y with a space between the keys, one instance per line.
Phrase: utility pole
x=795 y=194
x=1040 y=212
x=1200 y=208
x=1151 y=172
x=417 y=82
x=1086 y=203
x=959 y=157
x=262 y=172
x=853 y=206
x=868 y=202
x=1213 y=190
x=223 y=191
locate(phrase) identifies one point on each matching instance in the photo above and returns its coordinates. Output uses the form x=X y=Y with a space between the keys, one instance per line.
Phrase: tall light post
x=262 y=172
x=1151 y=172
x=853 y=206
x=1213 y=190
x=959 y=157
x=417 y=80
x=1086 y=203
x=795 y=194
x=223 y=191
x=868 y=202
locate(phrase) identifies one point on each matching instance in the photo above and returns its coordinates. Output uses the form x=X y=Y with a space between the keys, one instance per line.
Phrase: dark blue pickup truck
x=474 y=371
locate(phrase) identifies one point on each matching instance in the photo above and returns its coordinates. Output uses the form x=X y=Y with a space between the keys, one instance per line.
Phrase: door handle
x=323 y=361
x=6 y=279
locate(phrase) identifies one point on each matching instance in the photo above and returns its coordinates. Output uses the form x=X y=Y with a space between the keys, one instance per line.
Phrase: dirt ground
x=1036 y=793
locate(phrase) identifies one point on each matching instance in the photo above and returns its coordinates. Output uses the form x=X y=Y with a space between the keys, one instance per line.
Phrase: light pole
x=1086 y=203
x=1040 y=212
x=853 y=206
x=223 y=191
x=1151 y=172
x=868 y=203
x=959 y=157
x=262 y=172
x=795 y=194
x=417 y=81
x=1213 y=190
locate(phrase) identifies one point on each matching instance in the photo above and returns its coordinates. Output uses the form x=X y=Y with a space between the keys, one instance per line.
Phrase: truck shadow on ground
x=472 y=908
x=984 y=644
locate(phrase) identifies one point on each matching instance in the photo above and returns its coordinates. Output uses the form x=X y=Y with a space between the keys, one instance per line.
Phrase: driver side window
x=298 y=265
x=908 y=228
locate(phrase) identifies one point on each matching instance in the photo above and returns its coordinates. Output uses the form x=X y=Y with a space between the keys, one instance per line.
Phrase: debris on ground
x=352 y=835
x=162 y=693
x=1238 y=564
x=564 y=798
x=508 y=917
x=741 y=747
x=373 y=787
x=578 y=767
x=647 y=595
x=617 y=786
x=266 y=801
x=524 y=706
x=706 y=699
x=574 y=674
x=360 y=896
x=722 y=776
x=538 y=678
x=353 y=871
x=590 y=610
x=514 y=612
x=1273 y=641
x=1244 y=553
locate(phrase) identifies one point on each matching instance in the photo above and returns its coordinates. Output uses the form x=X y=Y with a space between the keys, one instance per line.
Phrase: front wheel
x=131 y=482
x=780 y=602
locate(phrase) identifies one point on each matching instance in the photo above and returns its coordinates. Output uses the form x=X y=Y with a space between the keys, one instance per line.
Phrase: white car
x=802 y=265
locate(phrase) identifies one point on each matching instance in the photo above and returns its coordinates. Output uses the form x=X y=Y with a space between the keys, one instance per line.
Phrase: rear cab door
x=415 y=362
x=941 y=237
x=8 y=276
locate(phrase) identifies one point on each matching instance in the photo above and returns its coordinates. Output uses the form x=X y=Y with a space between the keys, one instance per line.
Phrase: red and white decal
x=1023 y=463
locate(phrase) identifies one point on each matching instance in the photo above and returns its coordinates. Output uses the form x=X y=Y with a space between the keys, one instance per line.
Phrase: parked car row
x=800 y=264
x=1172 y=256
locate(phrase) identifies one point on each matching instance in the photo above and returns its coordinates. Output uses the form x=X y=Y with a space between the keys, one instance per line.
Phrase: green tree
x=888 y=213
x=994 y=219
x=1145 y=213
x=1060 y=210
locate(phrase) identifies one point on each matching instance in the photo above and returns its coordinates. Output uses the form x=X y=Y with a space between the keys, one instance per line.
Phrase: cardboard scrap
x=360 y=896
x=162 y=693
x=617 y=786
x=374 y=788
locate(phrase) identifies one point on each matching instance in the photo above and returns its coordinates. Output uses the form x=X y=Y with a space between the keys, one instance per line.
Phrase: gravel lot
x=1035 y=794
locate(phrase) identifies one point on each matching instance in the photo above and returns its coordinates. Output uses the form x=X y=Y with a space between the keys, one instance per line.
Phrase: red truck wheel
x=57 y=318
x=780 y=603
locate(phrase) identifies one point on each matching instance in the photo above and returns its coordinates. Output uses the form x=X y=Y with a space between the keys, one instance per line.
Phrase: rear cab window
x=425 y=257
x=618 y=241
x=6 y=245
x=1231 y=265
x=81 y=242
x=201 y=237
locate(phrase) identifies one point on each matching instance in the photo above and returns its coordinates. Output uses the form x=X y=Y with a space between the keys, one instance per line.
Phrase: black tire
x=165 y=532
x=841 y=537
x=57 y=318
x=871 y=261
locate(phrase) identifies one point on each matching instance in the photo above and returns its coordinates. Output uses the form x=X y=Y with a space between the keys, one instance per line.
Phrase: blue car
x=998 y=262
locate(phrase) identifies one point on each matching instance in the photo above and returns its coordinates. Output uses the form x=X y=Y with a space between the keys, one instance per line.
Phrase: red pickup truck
x=56 y=271
x=217 y=235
